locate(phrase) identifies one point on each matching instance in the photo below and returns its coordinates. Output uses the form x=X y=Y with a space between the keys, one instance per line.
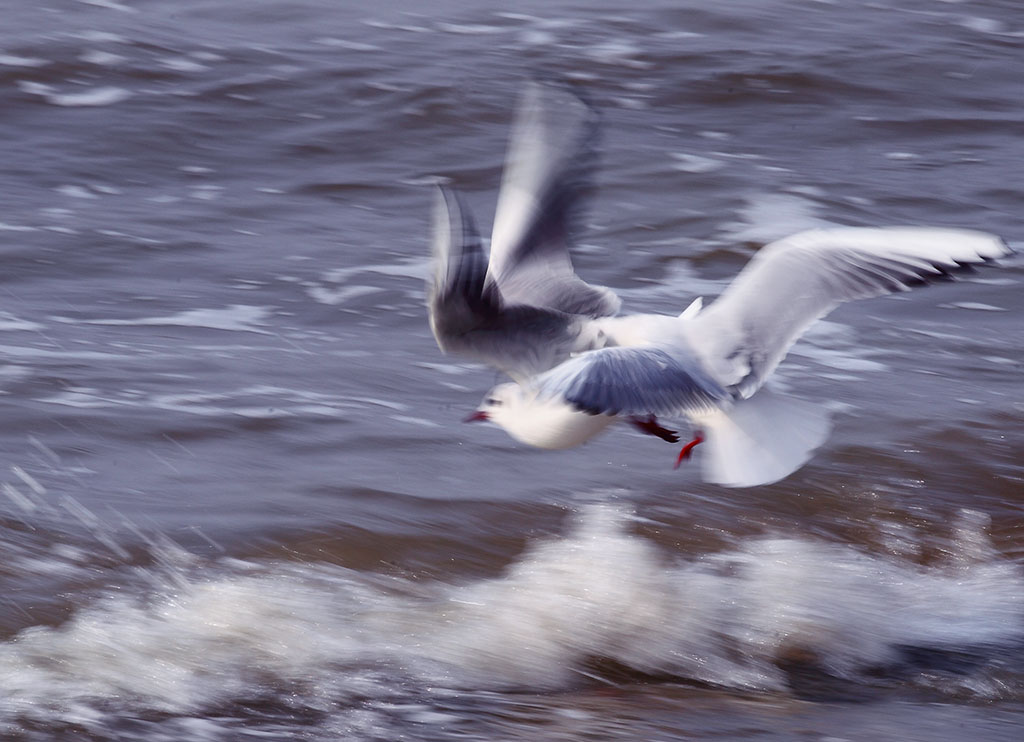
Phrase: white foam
x=335 y=297
x=473 y=29
x=13 y=60
x=17 y=351
x=673 y=35
x=33 y=88
x=842 y=359
x=357 y=46
x=8 y=323
x=618 y=52
x=75 y=191
x=182 y=64
x=453 y=369
x=422 y=422
x=411 y=268
x=536 y=37
x=110 y=5
x=724 y=620
x=375 y=23
x=983 y=25
x=256 y=401
x=102 y=58
x=546 y=22
x=100 y=36
x=975 y=305
x=154 y=653
x=696 y=164
x=237 y=317
x=320 y=634
x=101 y=96
x=81 y=399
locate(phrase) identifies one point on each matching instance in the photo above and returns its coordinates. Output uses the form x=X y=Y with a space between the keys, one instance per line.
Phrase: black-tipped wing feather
x=521 y=309
x=790 y=283
x=548 y=173
x=460 y=297
x=632 y=381
x=467 y=314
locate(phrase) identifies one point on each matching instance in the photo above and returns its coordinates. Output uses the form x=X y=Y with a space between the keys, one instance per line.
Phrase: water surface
x=237 y=498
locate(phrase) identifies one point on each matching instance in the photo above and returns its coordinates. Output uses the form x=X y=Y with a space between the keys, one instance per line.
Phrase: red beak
x=477 y=416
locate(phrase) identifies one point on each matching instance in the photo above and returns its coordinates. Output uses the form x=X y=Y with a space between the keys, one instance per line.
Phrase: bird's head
x=497 y=404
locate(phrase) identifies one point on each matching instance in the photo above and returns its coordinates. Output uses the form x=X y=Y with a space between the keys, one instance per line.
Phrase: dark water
x=238 y=502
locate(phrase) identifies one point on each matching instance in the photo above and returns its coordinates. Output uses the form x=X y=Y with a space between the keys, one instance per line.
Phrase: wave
x=598 y=605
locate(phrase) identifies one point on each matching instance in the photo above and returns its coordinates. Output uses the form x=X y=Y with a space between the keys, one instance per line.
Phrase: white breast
x=551 y=424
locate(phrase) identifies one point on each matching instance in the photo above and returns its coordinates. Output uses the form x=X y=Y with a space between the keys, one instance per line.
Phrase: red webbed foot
x=650 y=426
x=698 y=437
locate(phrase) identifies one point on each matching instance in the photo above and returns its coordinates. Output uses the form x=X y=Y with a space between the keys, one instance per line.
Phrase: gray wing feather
x=467 y=313
x=459 y=297
x=548 y=172
x=791 y=283
x=632 y=381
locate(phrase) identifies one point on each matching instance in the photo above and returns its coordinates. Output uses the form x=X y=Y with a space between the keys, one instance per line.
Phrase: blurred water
x=237 y=500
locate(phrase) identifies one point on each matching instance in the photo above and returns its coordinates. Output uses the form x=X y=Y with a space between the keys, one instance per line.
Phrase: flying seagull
x=577 y=366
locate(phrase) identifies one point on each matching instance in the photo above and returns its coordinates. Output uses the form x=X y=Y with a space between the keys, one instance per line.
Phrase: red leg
x=698 y=437
x=650 y=426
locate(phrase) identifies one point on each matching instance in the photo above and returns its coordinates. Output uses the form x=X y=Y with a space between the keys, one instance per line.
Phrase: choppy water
x=237 y=501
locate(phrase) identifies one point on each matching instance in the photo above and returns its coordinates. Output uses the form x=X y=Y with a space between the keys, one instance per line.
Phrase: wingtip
x=541 y=82
x=455 y=232
x=1007 y=250
x=996 y=248
x=450 y=203
x=441 y=185
x=694 y=309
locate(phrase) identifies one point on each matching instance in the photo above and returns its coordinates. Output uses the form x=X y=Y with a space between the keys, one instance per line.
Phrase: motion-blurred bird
x=577 y=367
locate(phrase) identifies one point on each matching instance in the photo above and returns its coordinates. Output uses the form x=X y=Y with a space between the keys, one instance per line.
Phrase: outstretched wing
x=790 y=283
x=632 y=381
x=551 y=157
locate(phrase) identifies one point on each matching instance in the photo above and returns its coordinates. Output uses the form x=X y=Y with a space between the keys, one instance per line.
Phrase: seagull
x=577 y=366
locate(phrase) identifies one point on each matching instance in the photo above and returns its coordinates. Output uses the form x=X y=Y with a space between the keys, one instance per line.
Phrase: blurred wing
x=467 y=315
x=459 y=297
x=632 y=381
x=548 y=169
x=790 y=283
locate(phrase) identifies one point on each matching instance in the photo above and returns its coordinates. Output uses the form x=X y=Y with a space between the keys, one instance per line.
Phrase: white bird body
x=638 y=330
x=542 y=422
x=546 y=421
x=577 y=366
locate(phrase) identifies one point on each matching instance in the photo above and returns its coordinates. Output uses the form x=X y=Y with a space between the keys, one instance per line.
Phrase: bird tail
x=760 y=440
